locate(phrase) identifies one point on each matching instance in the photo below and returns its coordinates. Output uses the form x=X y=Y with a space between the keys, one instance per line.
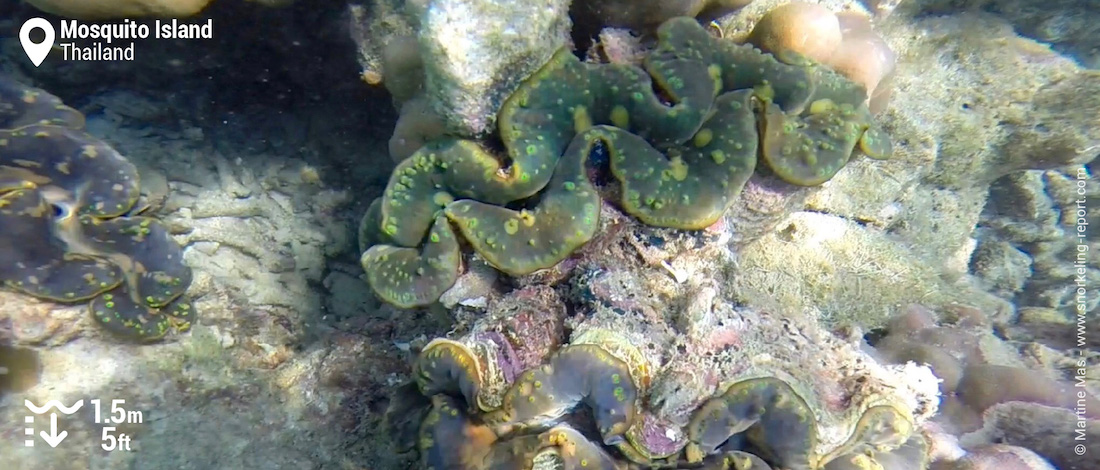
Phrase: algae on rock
x=475 y=54
x=960 y=122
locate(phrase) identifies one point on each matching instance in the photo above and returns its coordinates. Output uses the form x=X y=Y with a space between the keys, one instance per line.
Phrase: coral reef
x=864 y=57
x=616 y=46
x=416 y=126
x=1035 y=428
x=464 y=57
x=257 y=179
x=811 y=122
x=302 y=356
x=633 y=388
x=71 y=229
x=1028 y=249
x=962 y=122
x=989 y=387
x=262 y=224
x=1057 y=127
x=405 y=69
x=1068 y=26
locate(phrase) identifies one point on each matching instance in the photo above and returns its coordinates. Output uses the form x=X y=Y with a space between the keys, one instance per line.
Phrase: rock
x=617 y=46
x=840 y=270
x=473 y=288
x=1001 y=267
x=1048 y=431
x=998 y=457
x=1034 y=214
x=476 y=53
x=372 y=25
x=1069 y=26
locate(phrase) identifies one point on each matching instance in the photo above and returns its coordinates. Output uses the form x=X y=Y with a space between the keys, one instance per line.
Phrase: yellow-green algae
x=683 y=134
x=65 y=230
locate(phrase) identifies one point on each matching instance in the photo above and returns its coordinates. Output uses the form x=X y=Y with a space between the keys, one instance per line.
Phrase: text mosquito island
x=115 y=41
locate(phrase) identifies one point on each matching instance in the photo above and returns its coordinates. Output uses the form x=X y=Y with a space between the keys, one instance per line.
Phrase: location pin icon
x=37 y=52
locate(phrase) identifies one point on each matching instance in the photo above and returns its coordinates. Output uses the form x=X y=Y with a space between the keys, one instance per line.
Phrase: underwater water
x=500 y=234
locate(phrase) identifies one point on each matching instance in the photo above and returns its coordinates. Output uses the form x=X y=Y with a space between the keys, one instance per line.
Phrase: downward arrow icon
x=53 y=438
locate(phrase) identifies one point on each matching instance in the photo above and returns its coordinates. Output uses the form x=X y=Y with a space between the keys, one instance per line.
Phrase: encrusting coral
x=844 y=42
x=681 y=137
x=808 y=29
x=996 y=393
x=977 y=371
x=69 y=231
